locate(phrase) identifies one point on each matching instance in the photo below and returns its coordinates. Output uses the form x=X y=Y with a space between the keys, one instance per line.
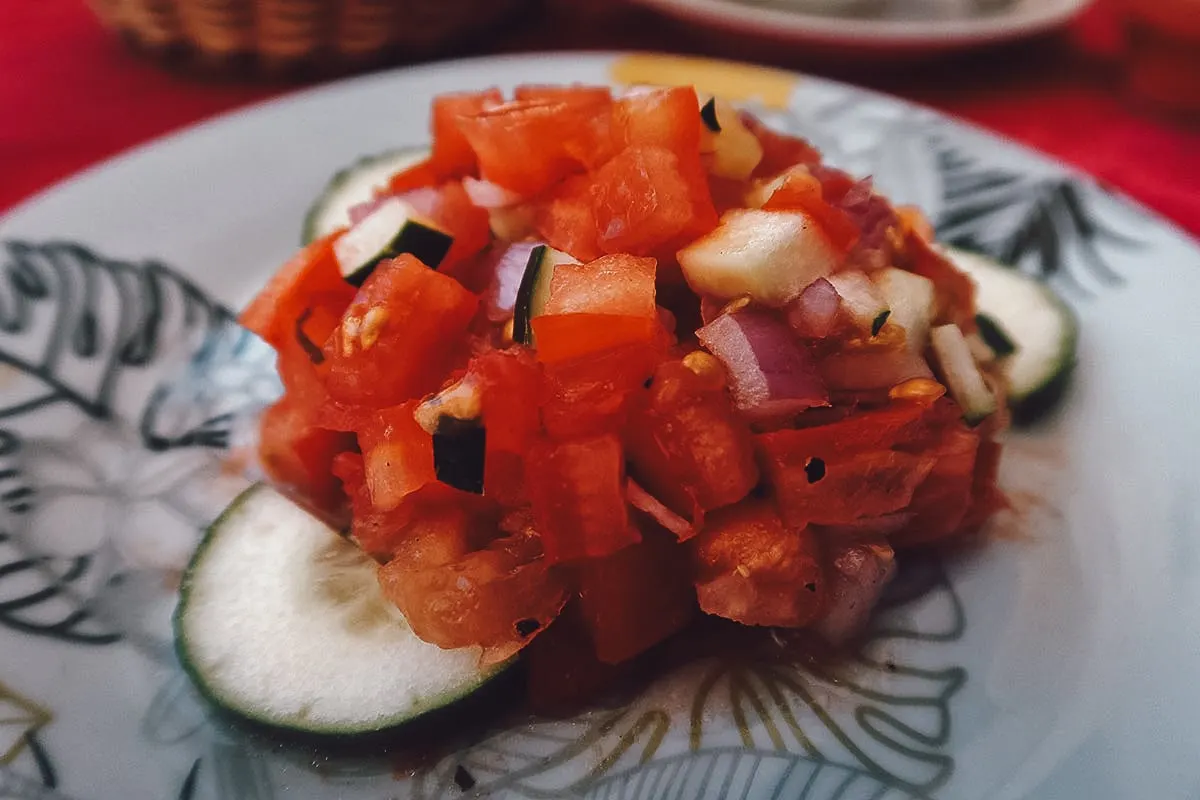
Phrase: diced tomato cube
x=563 y=673
x=498 y=597
x=940 y=503
x=575 y=92
x=687 y=445
x=800 y=191
x=650 y=201
x=398 y=336
x=578 y=493
x=420 y=175
x=591 y=393
x=780 y=151
x=397 y=454
x=311 y=277
x=297 y=456
x=663 y=117
x=529 y=145
x=563 y=337
x=565 y=219
x=619 y=284
x=838 y=489
x=986 y=497
x=510 y=387
x=753 y=570
x=452 y=155
x=896 y=424
x=636 y=597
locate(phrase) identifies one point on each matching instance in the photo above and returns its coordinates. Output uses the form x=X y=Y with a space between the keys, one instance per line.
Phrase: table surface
x=71 y=95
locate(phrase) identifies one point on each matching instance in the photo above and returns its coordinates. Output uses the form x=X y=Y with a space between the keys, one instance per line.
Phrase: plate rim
x=780 y=24
x=599 y=57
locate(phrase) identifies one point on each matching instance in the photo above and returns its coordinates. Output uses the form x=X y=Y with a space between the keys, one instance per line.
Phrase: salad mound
x=601 y=363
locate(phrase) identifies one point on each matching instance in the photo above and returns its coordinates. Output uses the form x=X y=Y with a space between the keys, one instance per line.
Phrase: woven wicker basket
x=281 y=36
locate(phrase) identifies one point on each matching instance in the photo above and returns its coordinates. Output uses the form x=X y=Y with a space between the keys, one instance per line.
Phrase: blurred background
x=1111 y=86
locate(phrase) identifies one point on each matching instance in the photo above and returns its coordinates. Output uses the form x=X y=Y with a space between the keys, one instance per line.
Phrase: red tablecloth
x=70 y=94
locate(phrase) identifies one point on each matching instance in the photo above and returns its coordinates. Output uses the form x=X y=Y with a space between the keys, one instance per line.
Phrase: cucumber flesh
x=534 y=291
x=911 y=301
x=1041 y=327
x=391 y=229
x=281 y=622
x=354 y=185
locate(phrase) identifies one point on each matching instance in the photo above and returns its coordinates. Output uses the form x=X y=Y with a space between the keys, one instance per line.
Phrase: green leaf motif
x=20 y=718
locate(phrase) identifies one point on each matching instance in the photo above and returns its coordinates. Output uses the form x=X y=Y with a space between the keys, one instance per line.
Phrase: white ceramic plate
x=1058 y=662
x=933 y=25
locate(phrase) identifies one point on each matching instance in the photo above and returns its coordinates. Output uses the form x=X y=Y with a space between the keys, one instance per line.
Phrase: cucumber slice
x=353 y=185
x=534 y=291
x=391 y=229
x=281 y=622
x=1042 y=329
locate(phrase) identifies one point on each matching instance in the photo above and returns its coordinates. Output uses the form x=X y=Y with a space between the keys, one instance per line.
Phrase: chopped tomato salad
x=612 y=363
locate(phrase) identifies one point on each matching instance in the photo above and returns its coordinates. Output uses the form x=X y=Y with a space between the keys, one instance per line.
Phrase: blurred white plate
x=879 y=24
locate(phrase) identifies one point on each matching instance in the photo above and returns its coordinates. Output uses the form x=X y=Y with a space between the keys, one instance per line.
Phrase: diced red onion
x=359 y=211
x=860 y=573
x=486 y=194
x=506 y=265
x=814 y=313
x=643 y=501
x=771 y=373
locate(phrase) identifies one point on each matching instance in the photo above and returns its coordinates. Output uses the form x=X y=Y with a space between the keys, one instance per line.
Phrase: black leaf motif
x=188 y=789
x=1051 y=224
x=734 y=773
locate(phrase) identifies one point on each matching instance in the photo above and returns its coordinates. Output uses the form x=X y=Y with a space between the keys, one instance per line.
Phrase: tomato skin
x=636 y=597
x=298 y=456
x=649 y=201
x=940 y=503
x=397 y=455
x=686 y=444
x=484 y=597
x=563 y=672
x=563 y=337
x=592 y=393
x=310 y=278
x=565 y=219
x=510 y=387
x=577 y=490
x=451 y=155
x=424 y=314
x=575 y=92
x=620 y=285
x=527 y=146
x=663 y=117
x=753 y=570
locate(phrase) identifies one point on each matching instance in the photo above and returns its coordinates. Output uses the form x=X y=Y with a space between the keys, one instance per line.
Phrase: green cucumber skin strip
x=385 y=729
x=308 y=230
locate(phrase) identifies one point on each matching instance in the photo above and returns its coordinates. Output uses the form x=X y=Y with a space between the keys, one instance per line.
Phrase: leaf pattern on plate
x=120 y=380
x=1052 y=226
